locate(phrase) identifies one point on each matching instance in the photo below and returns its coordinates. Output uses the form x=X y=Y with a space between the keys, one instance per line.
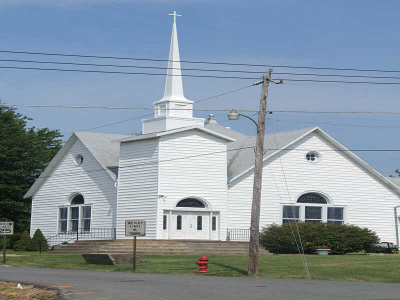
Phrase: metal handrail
x=82 y=233
x=241 y=234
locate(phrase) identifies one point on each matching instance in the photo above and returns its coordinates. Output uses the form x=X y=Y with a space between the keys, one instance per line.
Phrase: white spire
x=173 y=83
x=173 y=110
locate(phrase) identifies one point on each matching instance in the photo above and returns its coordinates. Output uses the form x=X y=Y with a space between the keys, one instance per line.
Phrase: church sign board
x=135 y=228
x=6 y=228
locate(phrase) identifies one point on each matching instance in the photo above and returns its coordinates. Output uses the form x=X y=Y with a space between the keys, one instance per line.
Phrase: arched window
x=76 y=216
x=191 y=202
x=78 y=199
x=313 y=208
x=312 y=198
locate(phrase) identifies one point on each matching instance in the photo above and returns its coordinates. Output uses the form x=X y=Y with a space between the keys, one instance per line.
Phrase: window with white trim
x=291 y=213
x=63 y=219
x=214 y=223
x=313 y=208
x=336 y=215
x=76 y=216
x=86 y=213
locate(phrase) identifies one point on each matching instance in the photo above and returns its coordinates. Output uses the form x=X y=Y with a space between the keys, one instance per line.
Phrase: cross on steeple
x=175 y=15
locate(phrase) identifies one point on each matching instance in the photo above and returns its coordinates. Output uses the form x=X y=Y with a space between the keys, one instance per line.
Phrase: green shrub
x=11 y=240
x=23 y=242
x=340 y=238
x=37 y=241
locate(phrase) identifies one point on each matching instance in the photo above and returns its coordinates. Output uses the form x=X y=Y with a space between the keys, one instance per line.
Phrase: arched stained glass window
x=312 y=198
x=78 y=199
x=190 y=202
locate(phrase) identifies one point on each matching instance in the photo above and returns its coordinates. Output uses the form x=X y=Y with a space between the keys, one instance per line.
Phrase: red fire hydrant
x=202 y=263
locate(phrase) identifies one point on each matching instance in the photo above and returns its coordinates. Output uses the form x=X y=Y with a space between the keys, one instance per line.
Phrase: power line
x=335 y=75
x=334 y=112
x=196 y=69
x=336 y=124
x=201 y=62
x=206 y=110
x=128 y=66
x=126 y=73
x=340 y=81
x=201 y=100
x=219 y=152
x=193 y=75
x=118 y=107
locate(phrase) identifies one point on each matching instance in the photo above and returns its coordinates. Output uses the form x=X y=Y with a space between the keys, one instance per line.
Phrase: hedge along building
x=191 y=179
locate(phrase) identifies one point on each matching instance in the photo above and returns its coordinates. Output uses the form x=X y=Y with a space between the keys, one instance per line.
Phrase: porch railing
x=241 y=235
x=82 y=234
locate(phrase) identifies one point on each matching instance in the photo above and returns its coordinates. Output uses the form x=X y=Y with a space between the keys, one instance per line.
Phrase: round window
x=78 y=160
x=313 y=156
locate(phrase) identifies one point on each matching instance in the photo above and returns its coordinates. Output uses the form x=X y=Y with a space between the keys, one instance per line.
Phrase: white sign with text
x=135 y=228
x=6 y=228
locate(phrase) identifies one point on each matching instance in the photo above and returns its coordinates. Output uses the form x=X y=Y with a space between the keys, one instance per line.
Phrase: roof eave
x=272 y=154
x=51 y=166
x=163 y=133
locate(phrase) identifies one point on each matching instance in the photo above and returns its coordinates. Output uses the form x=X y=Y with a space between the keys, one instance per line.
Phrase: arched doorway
x=192 y=218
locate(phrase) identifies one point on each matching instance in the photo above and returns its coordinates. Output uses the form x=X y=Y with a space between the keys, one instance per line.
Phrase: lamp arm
x=249 y=119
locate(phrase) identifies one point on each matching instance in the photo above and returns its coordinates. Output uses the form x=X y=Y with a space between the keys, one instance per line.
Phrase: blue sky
x=357 y=34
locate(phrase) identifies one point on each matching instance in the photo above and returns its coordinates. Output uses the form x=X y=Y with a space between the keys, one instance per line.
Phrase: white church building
x=191 y=178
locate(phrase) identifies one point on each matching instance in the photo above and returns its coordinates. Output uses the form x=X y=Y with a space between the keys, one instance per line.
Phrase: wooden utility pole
x=255 y=208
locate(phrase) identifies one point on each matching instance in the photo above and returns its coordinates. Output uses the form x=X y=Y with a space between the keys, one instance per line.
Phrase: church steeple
x=173 y=82
x=173 y=110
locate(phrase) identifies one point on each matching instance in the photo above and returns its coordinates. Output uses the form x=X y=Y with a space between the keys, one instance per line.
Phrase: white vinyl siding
x=367 y=201
x=89 y=179
x=137 y=185
x=193 y=164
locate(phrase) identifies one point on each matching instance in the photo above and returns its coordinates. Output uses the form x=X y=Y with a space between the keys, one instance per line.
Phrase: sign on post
x=135 y=228
x=6 y=228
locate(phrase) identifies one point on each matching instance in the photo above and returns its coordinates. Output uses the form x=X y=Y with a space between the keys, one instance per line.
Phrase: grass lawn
x=333 y=267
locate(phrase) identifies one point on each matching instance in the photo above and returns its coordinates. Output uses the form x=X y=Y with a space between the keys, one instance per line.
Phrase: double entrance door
x=190 y=225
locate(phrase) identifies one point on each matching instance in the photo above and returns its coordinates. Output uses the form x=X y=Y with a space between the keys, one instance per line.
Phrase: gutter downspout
x=396 y=221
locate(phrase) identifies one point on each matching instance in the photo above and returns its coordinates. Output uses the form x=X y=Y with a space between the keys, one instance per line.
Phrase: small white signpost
x=135 y=228
x=6 y=228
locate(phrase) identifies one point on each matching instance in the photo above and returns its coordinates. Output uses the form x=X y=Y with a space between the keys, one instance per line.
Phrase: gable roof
x=102 y=147
x=241 y=155
x=395 y=180
x=241 y=161
x=172 y=131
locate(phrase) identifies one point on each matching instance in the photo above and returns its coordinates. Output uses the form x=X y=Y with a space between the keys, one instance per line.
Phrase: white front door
x=190 y=225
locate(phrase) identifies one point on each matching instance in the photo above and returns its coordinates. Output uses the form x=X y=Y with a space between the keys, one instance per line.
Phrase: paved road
x=113 y=285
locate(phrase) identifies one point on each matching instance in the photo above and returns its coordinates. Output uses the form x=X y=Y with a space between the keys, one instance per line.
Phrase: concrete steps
x=159 y=247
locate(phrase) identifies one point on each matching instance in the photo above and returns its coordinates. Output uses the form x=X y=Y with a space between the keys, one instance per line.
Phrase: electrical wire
x=196 y=76
x=195 y=69
x=291 y=204
x=200 y=62
x=206 y=110
x=337 y=124
x=127 y=73
x=129 y=66
x=144 y=116
x=219 y=152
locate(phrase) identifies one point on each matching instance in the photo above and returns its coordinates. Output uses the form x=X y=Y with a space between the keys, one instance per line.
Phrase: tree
x=38 y=241
x=397 y=172
x=24 y=153
x=23 y=242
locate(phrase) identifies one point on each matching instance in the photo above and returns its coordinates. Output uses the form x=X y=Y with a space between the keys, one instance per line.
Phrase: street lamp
x=234 y=116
